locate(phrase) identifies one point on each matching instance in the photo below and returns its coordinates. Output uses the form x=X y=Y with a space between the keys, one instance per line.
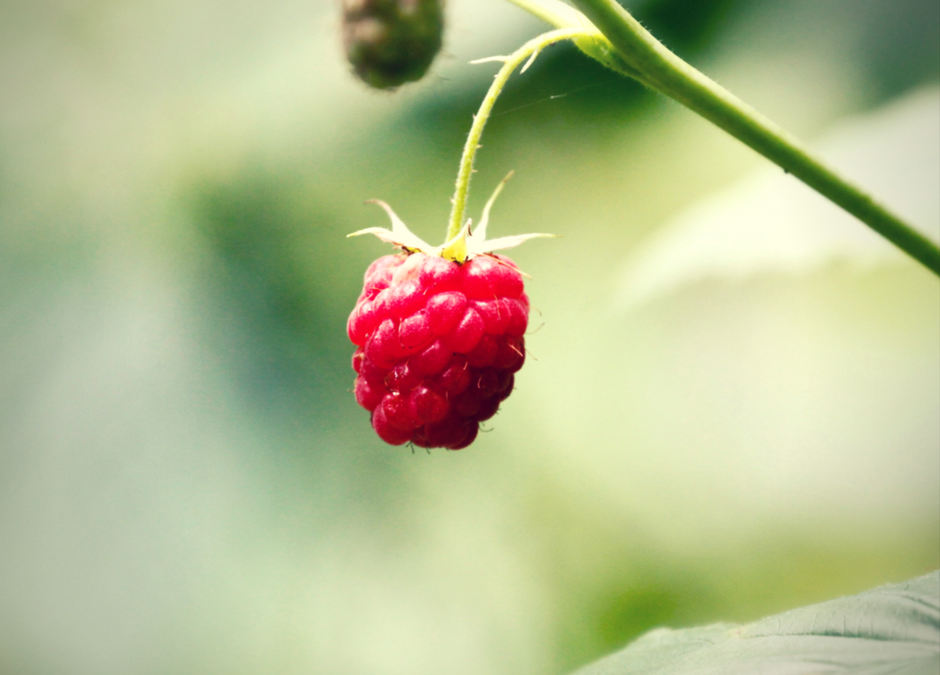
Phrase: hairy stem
x=554 y=12
x=529 y=50
x=623 y=44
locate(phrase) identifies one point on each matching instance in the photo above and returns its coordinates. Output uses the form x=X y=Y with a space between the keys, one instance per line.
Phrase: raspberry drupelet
x=438 y=343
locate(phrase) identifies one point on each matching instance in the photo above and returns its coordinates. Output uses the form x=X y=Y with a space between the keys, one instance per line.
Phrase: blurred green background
x=186 y=482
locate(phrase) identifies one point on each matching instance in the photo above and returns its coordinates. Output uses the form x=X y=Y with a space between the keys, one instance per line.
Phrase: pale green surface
x=768 y=222
x=891 y=629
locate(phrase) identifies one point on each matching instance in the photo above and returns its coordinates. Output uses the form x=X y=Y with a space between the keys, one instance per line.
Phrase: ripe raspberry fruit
x=438 y=334
x=437 y=343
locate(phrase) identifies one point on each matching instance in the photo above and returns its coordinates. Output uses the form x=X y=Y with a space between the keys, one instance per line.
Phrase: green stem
x=640 y=55
x=510 y=63
x=554 y=12
x=592 y=42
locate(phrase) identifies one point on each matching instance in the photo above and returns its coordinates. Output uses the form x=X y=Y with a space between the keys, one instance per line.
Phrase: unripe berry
x=391 y=42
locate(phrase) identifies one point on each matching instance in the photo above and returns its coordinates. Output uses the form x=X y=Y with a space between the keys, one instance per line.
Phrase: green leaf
x=892 y=630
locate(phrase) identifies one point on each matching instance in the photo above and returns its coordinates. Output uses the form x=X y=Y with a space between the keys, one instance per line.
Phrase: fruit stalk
x=528 y=51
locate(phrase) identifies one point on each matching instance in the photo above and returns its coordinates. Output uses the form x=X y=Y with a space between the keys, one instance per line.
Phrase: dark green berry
x=391 y=42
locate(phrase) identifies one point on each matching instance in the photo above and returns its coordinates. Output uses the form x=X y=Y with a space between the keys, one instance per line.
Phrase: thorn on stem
x=531 y=60
x=490 y=59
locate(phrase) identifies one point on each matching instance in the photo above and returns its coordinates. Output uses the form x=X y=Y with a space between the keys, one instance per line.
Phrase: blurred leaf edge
x=889 y=629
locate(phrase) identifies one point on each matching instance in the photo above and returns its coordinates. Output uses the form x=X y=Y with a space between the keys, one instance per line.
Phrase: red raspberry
x=437 y=345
